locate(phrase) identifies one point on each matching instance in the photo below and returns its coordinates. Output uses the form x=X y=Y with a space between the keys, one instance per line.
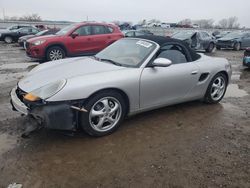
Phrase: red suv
x=77 y=39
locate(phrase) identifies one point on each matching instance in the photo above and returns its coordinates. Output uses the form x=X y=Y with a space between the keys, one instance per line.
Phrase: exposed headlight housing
x=46 y=91
x=38 y=42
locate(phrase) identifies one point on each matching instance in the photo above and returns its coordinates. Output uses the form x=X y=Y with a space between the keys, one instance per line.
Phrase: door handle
x=89 y=39
x=194 y=72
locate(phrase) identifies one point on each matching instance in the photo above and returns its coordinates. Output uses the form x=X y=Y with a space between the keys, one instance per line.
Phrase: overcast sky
x=129 y=10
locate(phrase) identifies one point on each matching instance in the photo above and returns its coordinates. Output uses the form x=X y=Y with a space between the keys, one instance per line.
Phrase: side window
x=34 y=30
x=99 y=29
x=14 y=27
x=129 y=34
x=109 y=29
x=173 y=52
x=83 y=31
x=24 y=30
x=139 y=33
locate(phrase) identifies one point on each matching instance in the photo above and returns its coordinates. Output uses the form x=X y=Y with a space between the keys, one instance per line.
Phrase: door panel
x=167 y=85
x=245 y=42
x=83 y=42
x=80 y=44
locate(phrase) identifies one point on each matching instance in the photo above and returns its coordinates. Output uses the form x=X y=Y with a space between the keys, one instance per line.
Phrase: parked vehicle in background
x=22 y=40
x=220 y=34
x=198 y=40
x=130 y=76
x=77 y=39
x=246 y=59
x=165 y=25
x=15 y=27
x=195 y=26
x=135 y=33
x=234 y=40
x=10 y=36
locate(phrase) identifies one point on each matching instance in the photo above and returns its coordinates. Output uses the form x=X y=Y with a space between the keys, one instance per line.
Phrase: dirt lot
x=187 y=145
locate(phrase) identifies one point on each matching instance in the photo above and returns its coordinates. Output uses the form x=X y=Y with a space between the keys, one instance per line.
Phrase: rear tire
x=237 y=46
x=55 y=53
x=106 y=111
x=216 y=89
x=8 y=39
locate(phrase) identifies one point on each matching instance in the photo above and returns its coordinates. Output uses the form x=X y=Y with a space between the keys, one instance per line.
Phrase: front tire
x=237 y=46
x=55 y=53
x=106 y=111
x=8 y=39
x=210 y=47
x=216 y=89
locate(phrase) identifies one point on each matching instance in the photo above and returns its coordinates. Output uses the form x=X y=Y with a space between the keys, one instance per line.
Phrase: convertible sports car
x=130 y=76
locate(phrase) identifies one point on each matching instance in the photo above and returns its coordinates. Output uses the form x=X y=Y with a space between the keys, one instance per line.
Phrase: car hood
x=44 y=37
x=26 y=37
x=228 y=38
x=63 y=69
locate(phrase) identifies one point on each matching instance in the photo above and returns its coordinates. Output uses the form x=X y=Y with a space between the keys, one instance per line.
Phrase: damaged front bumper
x=54 y=115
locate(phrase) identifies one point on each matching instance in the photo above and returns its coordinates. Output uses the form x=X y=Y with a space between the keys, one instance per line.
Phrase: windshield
x=234 y=35
x=127 y=52
x=66 y=29
x=41 y=33
x=183 y=34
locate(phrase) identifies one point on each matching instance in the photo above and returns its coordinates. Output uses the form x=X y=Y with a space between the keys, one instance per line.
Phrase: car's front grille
x=224 y=42
x=20 y=93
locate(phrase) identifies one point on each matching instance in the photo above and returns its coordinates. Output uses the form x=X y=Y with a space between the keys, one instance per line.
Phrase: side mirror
x=74 y=35
x=161 y=62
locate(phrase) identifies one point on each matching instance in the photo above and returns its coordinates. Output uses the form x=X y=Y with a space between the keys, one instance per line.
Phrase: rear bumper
x=56 y=115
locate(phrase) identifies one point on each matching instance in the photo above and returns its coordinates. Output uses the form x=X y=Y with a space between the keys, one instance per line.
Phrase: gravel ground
x=187 y=145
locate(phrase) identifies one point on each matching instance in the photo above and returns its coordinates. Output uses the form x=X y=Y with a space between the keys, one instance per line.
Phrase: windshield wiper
x=111 y=61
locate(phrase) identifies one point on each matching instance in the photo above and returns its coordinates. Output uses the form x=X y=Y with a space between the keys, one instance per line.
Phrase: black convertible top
x=163 y=40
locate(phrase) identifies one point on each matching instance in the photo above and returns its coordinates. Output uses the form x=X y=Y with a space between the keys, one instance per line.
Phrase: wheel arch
x=226 y=74
x=120 y=91
x=54 y=45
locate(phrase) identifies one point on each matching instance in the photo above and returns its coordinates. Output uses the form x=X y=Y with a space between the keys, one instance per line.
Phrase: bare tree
x=233 y=23
x=223 y=23
x=186 y=22
x=31 y=17
x=204 y=23
x=229 y=23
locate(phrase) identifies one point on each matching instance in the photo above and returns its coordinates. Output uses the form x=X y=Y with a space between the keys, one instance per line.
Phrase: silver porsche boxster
x=130 y=76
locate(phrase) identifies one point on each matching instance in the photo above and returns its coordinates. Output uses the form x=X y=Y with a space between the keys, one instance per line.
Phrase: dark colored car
x=246 y=59
x=234 y=40
x=22 y=40
x=220 y=34
x=77 y=39
x=136 y=33
x=15 y=27
x=10 y=36
x=198 y=40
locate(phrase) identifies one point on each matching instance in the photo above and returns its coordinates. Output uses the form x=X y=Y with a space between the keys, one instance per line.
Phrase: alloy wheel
x=55 y=54
x=218 y=88
x=105 y=114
